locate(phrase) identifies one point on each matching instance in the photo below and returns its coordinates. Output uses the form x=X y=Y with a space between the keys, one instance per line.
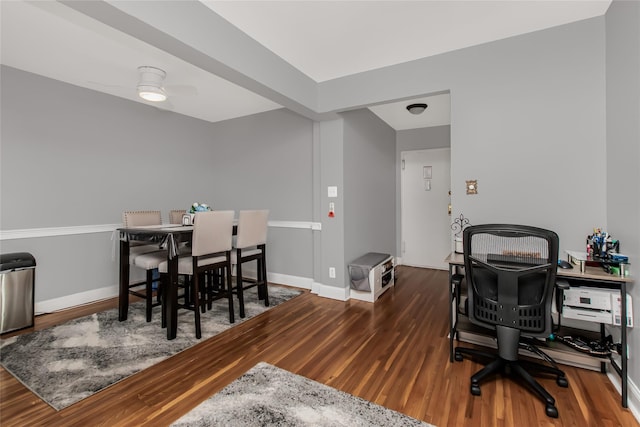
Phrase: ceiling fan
x=151 y=87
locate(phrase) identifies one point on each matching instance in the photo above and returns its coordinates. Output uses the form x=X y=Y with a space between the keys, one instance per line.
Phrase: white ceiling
x=322 y=39
x=395 y=114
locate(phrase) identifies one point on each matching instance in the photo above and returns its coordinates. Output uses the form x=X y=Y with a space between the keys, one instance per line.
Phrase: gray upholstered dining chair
x=141 y=219
x=251 y=245
x=175 y=216
x=210 y=251
x=145 y=256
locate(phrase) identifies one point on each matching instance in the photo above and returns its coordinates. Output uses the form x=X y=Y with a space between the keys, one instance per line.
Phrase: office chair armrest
x=456 y=279
x=562 y=284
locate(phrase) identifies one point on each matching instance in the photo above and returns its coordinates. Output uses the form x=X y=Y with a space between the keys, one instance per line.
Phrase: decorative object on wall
x=458 y=225
x=472 y=187
x=150 y=84
x=417 y=108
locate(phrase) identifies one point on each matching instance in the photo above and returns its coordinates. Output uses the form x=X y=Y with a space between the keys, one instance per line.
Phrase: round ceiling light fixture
x=417 y=108
x=150 y=84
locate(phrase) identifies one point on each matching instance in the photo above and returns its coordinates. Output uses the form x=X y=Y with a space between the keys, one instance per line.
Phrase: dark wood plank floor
x=394 y=353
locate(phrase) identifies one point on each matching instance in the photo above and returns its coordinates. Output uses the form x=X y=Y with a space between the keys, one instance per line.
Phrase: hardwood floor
x=394 y=353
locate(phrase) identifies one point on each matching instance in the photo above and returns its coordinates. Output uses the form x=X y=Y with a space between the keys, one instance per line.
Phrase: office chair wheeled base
x=515 y=367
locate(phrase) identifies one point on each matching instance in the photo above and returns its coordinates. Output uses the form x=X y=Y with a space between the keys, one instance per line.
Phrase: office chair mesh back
x=512 y=274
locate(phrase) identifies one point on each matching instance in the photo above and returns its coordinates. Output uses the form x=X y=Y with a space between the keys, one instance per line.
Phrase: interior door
x=426 y=223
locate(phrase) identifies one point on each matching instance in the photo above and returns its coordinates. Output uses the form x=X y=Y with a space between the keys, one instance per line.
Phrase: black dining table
x=167 y=237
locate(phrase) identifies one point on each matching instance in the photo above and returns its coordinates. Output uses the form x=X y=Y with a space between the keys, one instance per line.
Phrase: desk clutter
x=593 y=347
x=603 y=251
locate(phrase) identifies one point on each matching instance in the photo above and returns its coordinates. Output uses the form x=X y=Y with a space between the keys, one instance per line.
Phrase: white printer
x=595 y=305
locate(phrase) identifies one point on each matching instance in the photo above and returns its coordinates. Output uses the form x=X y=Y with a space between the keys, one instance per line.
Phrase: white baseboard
x=399 y=261
x=315 y=287
x=333 y=292
x=286 y=279
x=633 y=393
x=95 y=295
x=75 y=300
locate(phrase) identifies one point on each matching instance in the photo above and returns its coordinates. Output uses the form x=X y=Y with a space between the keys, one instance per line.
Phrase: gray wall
x=72 y=156
x=369 y=185
x=415 y=139
x=623 y=146
x=527 y=121
x=330 y=163
x=423 y=139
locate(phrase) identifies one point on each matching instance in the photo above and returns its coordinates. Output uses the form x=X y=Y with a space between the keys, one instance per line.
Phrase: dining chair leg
x=239 y=285
x=196 y=304
x=263 y=268
x=205 y=295
x=149 y=294
x=164 y=279
x=259 y=279
x=218 y=281
x=229 y=290
x=187 y=290
x=213 y=286
x=206 y=287
x=158 y=287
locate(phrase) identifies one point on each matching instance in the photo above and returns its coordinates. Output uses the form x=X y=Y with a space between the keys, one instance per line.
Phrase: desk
x=592 y=276
x=168 y=237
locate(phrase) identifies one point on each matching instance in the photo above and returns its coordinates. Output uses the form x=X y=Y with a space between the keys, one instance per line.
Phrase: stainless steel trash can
x=17 y=282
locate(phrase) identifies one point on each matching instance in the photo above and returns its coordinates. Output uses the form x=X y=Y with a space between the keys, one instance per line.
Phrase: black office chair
x=511 y=272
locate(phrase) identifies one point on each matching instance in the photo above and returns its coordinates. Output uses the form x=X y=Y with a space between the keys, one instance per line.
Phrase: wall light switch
x=332 y=191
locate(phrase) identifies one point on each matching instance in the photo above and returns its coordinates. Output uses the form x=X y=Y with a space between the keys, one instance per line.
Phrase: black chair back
x=511 y=273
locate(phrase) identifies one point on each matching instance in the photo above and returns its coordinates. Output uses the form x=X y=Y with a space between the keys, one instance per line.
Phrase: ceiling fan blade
x=164 y=105
x=181 y=90
x=105 y=85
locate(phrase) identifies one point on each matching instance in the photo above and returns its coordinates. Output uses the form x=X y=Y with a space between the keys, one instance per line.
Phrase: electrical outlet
x=332 y=272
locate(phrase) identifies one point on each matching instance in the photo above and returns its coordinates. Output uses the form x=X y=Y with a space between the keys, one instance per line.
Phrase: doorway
x=425 y=181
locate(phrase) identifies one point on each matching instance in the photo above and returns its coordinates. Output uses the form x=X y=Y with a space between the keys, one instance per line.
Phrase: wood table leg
x=123 y=294
x=172 y=297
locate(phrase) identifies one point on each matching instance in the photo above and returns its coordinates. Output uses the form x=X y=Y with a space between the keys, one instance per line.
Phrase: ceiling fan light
x=416 y=108
x=152 y=93
x=150 y=84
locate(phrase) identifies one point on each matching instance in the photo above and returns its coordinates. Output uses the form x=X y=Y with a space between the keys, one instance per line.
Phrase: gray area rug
x=69 y=362
x=270 y=396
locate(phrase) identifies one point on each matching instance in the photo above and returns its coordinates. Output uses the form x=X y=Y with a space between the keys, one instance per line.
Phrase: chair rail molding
x=29 y=233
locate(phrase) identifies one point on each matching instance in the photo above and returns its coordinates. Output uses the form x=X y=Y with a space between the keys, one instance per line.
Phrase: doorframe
x=400 y=258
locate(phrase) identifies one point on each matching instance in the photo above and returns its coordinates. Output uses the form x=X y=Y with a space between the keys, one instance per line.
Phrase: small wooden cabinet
x=379 y=277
